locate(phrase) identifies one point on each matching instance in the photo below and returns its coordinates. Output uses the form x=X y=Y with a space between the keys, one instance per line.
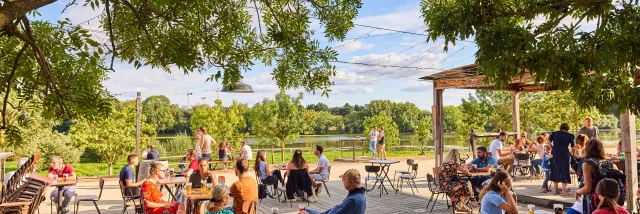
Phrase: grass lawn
x=83 y=169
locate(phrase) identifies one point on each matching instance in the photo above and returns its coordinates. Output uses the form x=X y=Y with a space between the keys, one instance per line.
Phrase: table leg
x=60 y=199
x=385 y=170
x=171 y=195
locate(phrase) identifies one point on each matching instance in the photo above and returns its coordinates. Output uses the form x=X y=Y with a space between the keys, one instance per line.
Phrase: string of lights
x=353 y=40
x=366 y=37
x=389 y=55
x=406 y=66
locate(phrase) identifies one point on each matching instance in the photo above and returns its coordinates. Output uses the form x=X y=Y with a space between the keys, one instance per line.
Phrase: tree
x=423 y=131
x=391 y=134
x=598 y=65
x=111 y=136
x=158 y=112
x=451 y=118
x=62 y=66
x=406 y=115
x=222 y=123
x=377 y=106
x=181 y=117
x=322 y=121
x=346 y=110
x=353 y=122
x=310 y=115
x=318 y=107
x=280 y=120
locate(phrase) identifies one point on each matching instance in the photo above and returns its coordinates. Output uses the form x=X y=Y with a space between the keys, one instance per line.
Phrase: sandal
x=556 y=192
x=465 y=210
x=565 y=193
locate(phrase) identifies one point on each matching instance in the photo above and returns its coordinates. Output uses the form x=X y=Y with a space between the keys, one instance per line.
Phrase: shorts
x=206 y=156
x=319 y=177
x=381 y=142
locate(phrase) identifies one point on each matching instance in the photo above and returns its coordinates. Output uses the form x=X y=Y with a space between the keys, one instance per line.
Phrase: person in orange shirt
x=245 y=190
x=152 y=194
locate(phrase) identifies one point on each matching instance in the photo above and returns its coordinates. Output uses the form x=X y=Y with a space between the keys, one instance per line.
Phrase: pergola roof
x=468 y=77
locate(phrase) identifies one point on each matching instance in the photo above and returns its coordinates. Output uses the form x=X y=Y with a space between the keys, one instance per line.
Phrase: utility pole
x=138 y=115
x=188 y=96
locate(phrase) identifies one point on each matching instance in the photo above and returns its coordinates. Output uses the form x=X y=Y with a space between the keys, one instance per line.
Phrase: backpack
x=263 y=192
x=609 y=172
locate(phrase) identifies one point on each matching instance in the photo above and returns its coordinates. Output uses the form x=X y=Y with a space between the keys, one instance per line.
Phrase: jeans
x=545 y=183
x=67 y=195
x=535 y=166
x=476 y=183
x=372 y=147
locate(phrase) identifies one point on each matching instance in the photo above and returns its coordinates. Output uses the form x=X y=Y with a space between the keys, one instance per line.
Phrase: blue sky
x=353 y=84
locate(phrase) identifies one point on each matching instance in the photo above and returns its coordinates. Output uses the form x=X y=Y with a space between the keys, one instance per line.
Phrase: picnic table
x=176 y=181
x=384 y=171
x=194 y=198
x=280 y=167
x=216 y=162
x=60 y=186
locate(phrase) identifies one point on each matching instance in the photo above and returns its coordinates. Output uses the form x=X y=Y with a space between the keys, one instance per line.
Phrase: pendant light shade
x=239 y=87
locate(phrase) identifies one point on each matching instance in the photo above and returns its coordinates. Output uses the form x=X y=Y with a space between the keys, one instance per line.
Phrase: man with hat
x=355 y=203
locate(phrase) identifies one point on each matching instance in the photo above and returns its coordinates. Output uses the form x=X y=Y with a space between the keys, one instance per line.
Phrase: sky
x=354 y=84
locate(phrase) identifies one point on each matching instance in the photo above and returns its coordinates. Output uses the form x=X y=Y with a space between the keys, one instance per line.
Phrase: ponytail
x=609 y=190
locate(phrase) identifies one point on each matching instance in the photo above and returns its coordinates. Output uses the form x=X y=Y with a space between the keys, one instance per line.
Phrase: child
x=608 y=192
x=545 y=168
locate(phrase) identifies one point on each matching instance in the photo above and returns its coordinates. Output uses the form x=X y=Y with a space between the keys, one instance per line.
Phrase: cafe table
x=384 y=171
x=60 y=184
x=176 y=181
x=194 y=198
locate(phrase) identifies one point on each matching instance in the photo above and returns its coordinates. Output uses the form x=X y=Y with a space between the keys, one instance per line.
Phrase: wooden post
x=472 y=141
x=628 y=137
x=437 y=125
x=138 y=115
x=341 y=145
x=515 y=110
x=353 y=150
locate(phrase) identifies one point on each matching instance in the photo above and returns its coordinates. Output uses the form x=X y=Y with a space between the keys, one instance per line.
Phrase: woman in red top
x=608 y=193
x=152 y=194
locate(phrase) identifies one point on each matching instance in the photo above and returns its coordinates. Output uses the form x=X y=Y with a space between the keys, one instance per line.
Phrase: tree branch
x=110 y=25
x=143 y=25
x=68 y=5
x=16 y=61
x=13 y=10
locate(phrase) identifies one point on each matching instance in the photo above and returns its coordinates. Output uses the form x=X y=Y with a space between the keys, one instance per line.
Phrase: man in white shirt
x=497 y=153
x=322 y=172
x=246 y=151
x=373 y=135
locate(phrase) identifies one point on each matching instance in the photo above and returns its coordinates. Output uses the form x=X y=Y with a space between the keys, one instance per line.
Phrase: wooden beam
x=454 y=83
x=515 y=110
x=437 y=125
x=628 y=138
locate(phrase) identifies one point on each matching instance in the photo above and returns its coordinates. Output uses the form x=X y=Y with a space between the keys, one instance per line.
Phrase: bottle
x=622 y=155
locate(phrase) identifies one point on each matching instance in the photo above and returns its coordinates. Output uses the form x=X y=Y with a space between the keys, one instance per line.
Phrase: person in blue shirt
x=355 y=203
x=127 y=176
x=483 y=163
x=496 y=197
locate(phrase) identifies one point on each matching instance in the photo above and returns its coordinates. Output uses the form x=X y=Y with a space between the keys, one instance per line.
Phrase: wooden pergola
x=468 y=77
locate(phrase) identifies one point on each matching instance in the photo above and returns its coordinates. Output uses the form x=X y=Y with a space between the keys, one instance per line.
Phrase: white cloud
x=584 y=25
x=350 y=90
x=350 y=78
x=404 y=19
x=418 y=65
x=352 y=45
x=417 y=86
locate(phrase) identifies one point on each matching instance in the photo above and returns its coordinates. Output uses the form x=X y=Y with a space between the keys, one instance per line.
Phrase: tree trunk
x=110 y=168
x=282 y=149
x=3 y=140
x=13 y=10
x=272 y=161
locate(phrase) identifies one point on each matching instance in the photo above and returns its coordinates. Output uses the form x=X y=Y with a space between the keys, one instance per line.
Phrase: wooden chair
x=250 y=207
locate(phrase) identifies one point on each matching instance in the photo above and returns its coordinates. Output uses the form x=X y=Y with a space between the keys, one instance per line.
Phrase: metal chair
x=402 y=171
x=410 y=179
x=269 y=192
x=377 y=177
x=432 y=184
x=92 y=198
x=129 y=197
x=324 y=181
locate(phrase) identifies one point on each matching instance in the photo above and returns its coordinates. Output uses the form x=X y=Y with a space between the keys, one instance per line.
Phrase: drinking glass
x=55 y=178
x=66 y=176
x=274 y=210
x=203 y=185
x=189 y=187
x=221 y=180
x=557 y=208
x=301 y=207
x=209 y=186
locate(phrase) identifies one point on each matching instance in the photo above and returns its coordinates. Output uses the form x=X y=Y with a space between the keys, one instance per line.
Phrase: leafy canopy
x=383 y=120
x=599 y=64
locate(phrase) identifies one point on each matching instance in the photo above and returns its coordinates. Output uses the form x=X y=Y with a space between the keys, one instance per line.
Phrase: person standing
x=381 y=151
x=322 y=172
x=503 y=157
x=560 y=157
x=198 y=140
x=246 y=154
x=588 y=128
x=206 y=143
x=59 y=169
x=373 y=136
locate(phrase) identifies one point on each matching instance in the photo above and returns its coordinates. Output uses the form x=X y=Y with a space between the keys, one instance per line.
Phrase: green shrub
x=177 y=145
x=48 y=143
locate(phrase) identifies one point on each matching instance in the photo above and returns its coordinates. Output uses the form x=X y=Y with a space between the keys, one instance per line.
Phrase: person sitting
x=64 y=173
x=243 y=190
x=193 y=163
x=152 y=194
x=219 y=200
x=608 y=192
x=493 y=195
x=21 y=162
x=222 y=153
x=457 y=188
x=484 y=163
x=298 y=179
x=502 y=155
x=355 y=203
x=202 y=173
x=127 y=176
x=246 y=154
x=229 y=150
x=522 y=141
x=266 y=175
x=151 y=153
x=322 y=172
